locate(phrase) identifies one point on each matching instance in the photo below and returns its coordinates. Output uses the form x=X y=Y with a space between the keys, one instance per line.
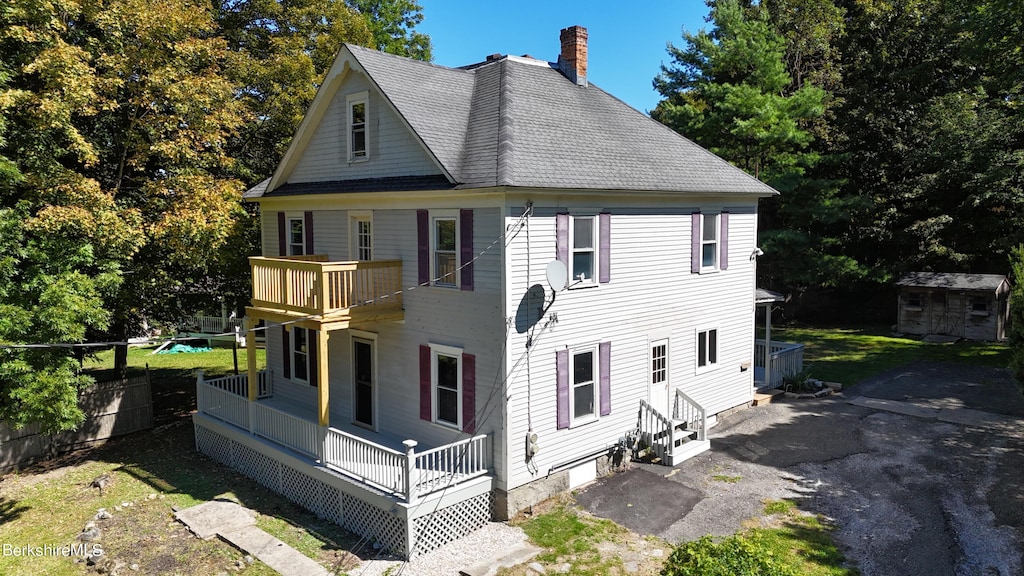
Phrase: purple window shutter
x=466 y=247
x=287 y=346
x=425 y=413
x=307 y=226
x=312 y=339
x=604 y=368
x=422 y=247
x=469 y=393
x=282 y=235
x=695 y=242
x=562 y=238
x=723 y=241
x=605 y=248
x=562 y=379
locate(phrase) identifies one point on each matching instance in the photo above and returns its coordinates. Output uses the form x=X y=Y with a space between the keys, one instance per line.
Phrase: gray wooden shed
x=970 y=306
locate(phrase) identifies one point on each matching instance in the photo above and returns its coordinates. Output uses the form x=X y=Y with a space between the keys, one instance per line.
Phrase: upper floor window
x=445 y=257
x=583 y=255
x=296 y=237
x=358 y=142
x=709 y=242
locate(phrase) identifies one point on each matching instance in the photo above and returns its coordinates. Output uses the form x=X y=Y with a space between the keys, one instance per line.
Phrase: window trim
x=433 y=217
x=371 y=338
x=350 y=129
x=355 y=217
x=302 y=235
x=708 y=366
x=294 y=352
x=451 y=352
x=594 y=250
x=717 y=242
x=595 y=383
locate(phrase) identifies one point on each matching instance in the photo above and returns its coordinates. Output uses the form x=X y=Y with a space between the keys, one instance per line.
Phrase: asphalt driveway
x=921 y=469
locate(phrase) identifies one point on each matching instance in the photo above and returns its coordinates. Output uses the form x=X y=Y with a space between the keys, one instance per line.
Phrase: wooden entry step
x=761 y=398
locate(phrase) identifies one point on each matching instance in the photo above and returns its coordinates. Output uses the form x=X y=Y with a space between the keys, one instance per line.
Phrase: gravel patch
x=491 y=541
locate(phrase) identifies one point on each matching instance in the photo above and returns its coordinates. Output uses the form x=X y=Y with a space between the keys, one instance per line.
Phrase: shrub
x=735 y=556
x=1017 y=314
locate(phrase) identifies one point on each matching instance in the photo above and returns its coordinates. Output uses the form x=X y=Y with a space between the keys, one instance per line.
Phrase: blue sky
x=626 y=44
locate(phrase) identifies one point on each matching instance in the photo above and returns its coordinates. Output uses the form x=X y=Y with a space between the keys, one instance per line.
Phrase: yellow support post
x=250 y=356
x=322 y=382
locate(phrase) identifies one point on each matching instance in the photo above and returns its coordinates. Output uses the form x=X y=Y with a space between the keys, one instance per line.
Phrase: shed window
x=914 y=300
x=979 y=305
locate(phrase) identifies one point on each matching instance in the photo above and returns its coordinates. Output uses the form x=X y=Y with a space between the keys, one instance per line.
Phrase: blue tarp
x=184 y=349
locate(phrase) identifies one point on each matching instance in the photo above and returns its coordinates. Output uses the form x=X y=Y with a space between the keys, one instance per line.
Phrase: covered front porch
x=401 y=468
x=774 y=361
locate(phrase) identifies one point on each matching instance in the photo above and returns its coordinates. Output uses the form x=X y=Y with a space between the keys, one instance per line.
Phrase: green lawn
x=216 y=362
x=849 y=355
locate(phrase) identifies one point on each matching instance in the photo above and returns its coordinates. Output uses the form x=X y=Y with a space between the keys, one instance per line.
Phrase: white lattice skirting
x=403 y=529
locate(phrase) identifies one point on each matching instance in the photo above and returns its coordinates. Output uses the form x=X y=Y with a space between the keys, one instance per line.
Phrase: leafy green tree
x=391 y=22
x=1017 y=314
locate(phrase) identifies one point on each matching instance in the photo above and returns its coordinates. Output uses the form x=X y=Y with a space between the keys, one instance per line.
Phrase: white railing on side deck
x=222 y=404
x=455 y=462
x=281 y=427
x=366 y=461
x=211 y=324
x=238 y=384
x=685 y=409
x=656 y=430
x=787 y=358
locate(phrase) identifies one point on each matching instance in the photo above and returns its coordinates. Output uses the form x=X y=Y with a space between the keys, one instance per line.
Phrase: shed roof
x=954 y=281
x=516 y=121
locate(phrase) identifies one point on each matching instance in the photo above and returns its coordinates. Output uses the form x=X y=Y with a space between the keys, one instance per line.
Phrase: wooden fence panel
x=111 y=409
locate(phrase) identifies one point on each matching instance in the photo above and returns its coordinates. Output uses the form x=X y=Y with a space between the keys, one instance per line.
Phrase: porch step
x=688 y=450
x=761 y=398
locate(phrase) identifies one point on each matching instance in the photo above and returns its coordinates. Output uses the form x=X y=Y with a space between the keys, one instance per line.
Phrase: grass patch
x=726 y=478
x=152 y=471
x=570 y=537
x=850 y=355
x=778 y=506
x=801 y=545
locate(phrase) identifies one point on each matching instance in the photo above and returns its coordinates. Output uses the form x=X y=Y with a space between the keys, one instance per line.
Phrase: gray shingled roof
x=521 y=122
x=952 y=281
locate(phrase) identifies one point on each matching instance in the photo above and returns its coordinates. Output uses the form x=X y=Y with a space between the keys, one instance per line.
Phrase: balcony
x=321 y=295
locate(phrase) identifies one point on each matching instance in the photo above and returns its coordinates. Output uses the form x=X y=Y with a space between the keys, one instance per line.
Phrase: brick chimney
x=573 y=59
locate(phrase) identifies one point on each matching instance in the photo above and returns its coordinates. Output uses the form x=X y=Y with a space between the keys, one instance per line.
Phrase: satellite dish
x=557 y=275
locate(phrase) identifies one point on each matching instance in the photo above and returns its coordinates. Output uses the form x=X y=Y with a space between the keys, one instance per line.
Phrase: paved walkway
x=952 y=415
x=237 y=525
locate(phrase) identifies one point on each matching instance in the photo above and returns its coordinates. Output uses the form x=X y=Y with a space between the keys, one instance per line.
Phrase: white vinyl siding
x=391 y=148
x=650 y=293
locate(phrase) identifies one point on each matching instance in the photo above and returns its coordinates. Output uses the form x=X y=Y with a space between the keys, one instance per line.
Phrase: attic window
x=358 y=141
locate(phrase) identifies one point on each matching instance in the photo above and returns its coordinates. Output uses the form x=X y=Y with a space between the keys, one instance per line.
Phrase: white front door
x=658 y=375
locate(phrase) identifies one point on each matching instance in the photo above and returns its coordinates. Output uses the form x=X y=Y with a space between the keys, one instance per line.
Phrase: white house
x=423 y=377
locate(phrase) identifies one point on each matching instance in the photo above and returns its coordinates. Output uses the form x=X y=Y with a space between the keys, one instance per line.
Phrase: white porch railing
x=211 y=324
x=656 y=431
x=366 y=461
x=787 y=358
x=238 y=384
x=460 y=461
x=408 y=474
x=223 y=404
x=284 y=428
x=685 y=410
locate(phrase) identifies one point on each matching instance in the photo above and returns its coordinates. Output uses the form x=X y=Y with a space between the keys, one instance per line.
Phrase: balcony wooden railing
x=310 y=285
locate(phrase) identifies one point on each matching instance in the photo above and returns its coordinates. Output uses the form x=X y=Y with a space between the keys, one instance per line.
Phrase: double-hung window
x=707 y=349
x=446 y=376
x=583 y=388
x=296 y=237
x=709 y=241
x=358 y=141
x=300 y=354
x=584 y=249
x=444 y=242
